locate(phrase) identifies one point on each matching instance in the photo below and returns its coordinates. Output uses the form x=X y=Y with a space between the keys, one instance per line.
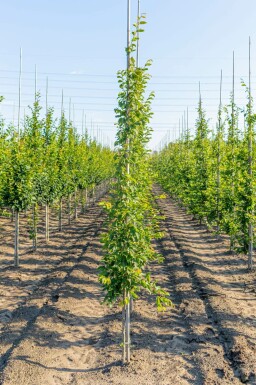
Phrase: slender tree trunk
x=69 y=209
x=93 y=195
x=232 y=242
x=126 y=328
x=131 y=305
x=75 y=206
x=47 y=232
x=82 y=201
x=86 y=197
x=16 y=238
x=60 y=214
x=250 y=250
x=34 y=228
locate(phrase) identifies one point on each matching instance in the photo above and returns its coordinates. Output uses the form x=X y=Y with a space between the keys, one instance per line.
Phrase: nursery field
x=55 y=330
x=124 y=262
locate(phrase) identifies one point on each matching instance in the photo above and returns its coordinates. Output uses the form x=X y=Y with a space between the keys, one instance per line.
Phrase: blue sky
x=79 y=45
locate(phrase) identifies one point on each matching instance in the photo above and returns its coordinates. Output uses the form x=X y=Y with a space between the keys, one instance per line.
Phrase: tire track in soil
x=185 y=331
x=55 y=268
x=25 y=316
x=18 y=284
x=200 y=332
x=227 y=367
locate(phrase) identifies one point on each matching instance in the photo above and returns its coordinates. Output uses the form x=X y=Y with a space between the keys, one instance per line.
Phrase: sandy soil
x=56 y=331
x=221 y=310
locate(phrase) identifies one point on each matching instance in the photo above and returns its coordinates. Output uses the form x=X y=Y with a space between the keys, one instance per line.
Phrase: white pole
x=127 y=302
x=250 y=230
x=46 y=96
x=35 y=81
x=137 y=48
x=69 y=111
x=19 y=93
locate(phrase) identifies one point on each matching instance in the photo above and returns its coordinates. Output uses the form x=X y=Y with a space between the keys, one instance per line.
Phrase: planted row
x=46 y=161
x=213 y=173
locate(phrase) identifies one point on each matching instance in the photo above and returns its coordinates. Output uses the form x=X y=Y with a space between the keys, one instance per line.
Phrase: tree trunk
x=75 y=206
x=69 y=209
x=82 y=201
x=47 y=232
x=60 y=215
x=86 y=197
x=232 y=242
x=250 y=246
x=34 y=228
x=126 y=329
x=16 y=238
x=93 y=195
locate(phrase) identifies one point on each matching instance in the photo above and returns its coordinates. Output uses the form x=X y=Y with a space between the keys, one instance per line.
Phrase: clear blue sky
x=79 y=45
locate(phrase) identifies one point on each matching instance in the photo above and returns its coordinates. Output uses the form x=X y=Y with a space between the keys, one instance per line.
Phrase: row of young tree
x=212 y=173
x=46 y=161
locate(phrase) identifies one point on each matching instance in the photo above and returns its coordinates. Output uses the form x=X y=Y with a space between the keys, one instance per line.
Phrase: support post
x=16 y=238
x=250 y=161
x=47 y=235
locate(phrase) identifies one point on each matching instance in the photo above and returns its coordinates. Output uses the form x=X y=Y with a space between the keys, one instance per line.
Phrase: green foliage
x=17 y=180
x=210 y=174
x=132 y=219
x=47 y=161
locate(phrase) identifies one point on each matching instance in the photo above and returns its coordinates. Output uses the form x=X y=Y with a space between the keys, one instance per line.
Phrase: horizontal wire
x=103 y=75
x=115 y=99
x=108 y=82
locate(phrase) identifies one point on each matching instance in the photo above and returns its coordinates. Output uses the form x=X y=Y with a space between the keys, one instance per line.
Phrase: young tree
x=133 y=222
x=199 y=173
x=17 y=189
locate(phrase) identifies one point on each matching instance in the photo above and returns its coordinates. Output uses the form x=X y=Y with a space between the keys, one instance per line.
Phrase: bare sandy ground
x=56 y=330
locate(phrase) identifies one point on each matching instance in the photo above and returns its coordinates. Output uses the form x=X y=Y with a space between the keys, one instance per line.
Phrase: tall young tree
x=132 y=219
x=199 y=176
